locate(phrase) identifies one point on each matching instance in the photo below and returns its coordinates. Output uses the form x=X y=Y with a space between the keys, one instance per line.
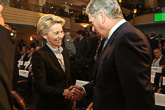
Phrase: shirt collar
x=54 y=50
x=115 y=27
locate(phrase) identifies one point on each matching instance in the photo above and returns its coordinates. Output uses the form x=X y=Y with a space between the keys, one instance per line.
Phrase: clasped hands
x=74 y=93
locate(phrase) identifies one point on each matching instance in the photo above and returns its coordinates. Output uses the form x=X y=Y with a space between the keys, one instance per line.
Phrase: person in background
x=51 y=66
x=73 y=37
x=159 y=61
x=161 y=48
x=7 y=50
x=123 y=69
x=81 y=46
x=91 y=52
x=30 y=53
x=153 y=42
x=23 y=56
x=37 y=48
x=69 y=45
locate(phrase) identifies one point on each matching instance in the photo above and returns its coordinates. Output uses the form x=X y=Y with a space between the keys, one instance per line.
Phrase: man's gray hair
x=110 y=7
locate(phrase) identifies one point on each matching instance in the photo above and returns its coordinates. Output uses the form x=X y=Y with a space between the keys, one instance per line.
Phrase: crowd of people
x=115 y=58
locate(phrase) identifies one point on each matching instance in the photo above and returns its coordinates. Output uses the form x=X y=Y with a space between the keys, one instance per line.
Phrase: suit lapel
x=54 y=58
x=106 y=48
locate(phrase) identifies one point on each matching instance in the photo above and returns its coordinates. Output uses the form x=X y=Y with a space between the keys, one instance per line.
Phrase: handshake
x=74 y=93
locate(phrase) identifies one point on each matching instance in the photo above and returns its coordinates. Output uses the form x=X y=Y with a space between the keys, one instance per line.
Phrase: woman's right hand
x=67 y=93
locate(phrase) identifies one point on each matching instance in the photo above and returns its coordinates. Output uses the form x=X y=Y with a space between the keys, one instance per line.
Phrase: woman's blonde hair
x=47 y=21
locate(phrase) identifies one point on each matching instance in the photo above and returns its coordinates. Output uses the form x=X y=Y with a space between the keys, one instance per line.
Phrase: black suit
x=81 y=47
x=154 y=44
x=7 y=52
x=25 y=57
x=122 y=73
x=162 y=62
x=50 y=79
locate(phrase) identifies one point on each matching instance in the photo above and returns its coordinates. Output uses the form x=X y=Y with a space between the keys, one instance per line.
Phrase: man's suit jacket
x=162 y=62
x=7 y=52
x=50 y=79
x=154 y=44
x=81 y=47
x=91 y=50
x=122 y=73
x=25 y=58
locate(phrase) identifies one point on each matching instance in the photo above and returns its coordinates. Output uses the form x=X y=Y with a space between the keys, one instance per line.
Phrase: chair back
x=90 y=106
x=18 y=101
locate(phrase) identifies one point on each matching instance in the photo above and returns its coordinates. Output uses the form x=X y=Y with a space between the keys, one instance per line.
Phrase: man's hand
x=78 y=92
x=1 y=18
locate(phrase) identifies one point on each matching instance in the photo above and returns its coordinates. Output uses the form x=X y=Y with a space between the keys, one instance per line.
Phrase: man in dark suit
x=91 y=52
x=51 y=66
x=123 y=68
x=23 y=55
x=81 y=46
x=7 y=51
x=153 y=42
x=159 y=61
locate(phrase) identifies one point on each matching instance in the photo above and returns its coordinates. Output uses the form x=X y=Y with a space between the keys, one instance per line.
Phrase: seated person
x=159 y=61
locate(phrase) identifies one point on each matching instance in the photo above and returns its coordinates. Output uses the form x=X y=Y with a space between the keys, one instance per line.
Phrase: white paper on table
x=163 y=81
x=156 y=69
x=20 y=63
x=159 y=99
x=26 y=64
x=81 y=83
x=24 y=73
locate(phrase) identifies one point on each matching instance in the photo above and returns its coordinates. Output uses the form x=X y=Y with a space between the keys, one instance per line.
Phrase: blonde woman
x=51 y=67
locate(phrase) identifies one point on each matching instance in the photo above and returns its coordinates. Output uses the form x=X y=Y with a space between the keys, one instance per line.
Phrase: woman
x=51 y=66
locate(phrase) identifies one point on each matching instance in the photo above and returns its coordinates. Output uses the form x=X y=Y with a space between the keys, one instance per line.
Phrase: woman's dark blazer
x=50 y=79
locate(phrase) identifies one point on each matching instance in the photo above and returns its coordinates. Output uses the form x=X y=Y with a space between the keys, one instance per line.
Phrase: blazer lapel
x=54 y=58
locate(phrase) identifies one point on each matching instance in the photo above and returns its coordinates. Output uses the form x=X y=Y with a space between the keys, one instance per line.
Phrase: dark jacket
x=122 y=73
x=7 y=52
x=50 y=79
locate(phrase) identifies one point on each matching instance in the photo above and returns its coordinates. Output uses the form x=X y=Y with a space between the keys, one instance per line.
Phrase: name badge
x=24 y=73
x=156 y=69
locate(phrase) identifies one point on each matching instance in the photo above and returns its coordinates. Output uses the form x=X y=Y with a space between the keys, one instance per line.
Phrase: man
x=23 y=55
x=81 y=46
x=159 y=61
x=69 y=45
x=153 y=42
x=91 y=52
x=122 y=70
x=7 y=50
